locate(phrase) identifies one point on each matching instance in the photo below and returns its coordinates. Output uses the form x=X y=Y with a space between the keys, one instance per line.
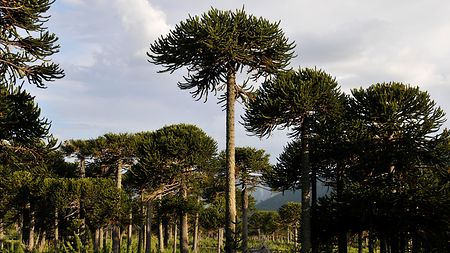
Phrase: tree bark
x=174 y=249
x=244 y=217
x=160 y=236
x=167 y=233
x=314 y=242
x=130 y=232
x=56 y=231
x=184 y=247
x=82 y=172
x=96 y=240
x=305 y=224
x=219 y=240
x=101 y=244
x=230 y=226
x=116 y=239
x=196 y=234
x=148 y=240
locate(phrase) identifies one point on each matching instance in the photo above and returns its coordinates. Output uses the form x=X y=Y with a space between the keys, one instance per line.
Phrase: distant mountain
x=275 y=202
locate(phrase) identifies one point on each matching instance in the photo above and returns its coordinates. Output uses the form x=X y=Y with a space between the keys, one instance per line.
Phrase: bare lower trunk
x=174 y=249
x=160 y=236
x=101 y=243
x=219 y=240
x=305 y=224
x=230 y=226
x=116 y=239
x=130 y=232
x=184 y=248
x=196 y=234
x=96 y=240
x=148 y=240
x=244 y=218
x=56 y=231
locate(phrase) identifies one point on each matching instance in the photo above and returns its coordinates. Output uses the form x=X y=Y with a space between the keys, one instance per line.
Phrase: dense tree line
x=382 y=149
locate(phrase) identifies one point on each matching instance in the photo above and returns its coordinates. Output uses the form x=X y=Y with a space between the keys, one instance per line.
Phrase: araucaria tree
x=303 y=101
x=25 y=44
x=214 y=48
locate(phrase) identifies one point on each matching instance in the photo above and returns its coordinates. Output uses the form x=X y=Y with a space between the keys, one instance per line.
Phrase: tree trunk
x=196 y=234
x=148 y=240
x=130 y=232
x=219 y=240
x=82 y=167
x=167 y=233
x=313 y=204
x=342 y=233
x=28 y=225
x=305 y=224
x=96 y=240
x=184 y=247
x=174 y=249
x=230 y=226
x=101 y=244
x=116 y=239
x=160 y=236
x=116 y=230
x=244 y=217
x=56 y=231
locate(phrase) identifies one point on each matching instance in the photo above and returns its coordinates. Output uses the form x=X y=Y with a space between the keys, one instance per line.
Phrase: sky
x=111 y=87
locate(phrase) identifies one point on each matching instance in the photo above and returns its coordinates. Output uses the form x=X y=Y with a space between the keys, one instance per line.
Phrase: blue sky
x=110 y=86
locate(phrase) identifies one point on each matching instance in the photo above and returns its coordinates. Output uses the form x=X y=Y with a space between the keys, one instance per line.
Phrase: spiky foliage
x=25 y=43
x=218 y=41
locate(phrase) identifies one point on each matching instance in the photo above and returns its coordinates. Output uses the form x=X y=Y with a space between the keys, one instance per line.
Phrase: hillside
x=275 y=202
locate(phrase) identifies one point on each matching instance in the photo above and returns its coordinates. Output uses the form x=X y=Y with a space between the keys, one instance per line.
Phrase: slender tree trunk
x=184 y=247
x=342 y=233
x=82 y=167
x=148 y=240
x=314 y=241
x=174 y=249
x=305 y=218
x=296 y=238
x=116 y=230
x=160 y=236
x=96 y=240
x=244 y=217
x=101 y=243
x=29 y=223
x=56 y=231
x=166 y=232
x=230 y=226
x=116 y=239
x=219 y=240
x=196 y=234
x=130 y=232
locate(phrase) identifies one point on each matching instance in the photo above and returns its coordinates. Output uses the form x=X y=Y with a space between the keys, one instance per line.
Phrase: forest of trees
x=383 y=150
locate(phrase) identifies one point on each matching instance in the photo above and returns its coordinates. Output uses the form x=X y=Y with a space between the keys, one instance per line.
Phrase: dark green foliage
x=286 y=100
x=219 y=41
x=170 y=154
x=396 y=124
x=266 y=222
x=290 y=214
x=25 y=44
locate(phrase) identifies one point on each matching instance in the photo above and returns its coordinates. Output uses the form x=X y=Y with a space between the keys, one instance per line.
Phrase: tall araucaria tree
x=303 y=101
x=215 y=47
